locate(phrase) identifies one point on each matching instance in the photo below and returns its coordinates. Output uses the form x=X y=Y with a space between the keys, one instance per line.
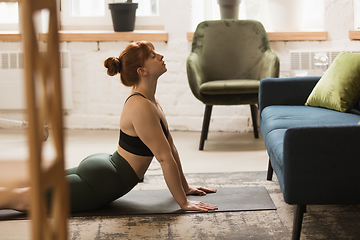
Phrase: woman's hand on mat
x=198 y=206
x=199 y=191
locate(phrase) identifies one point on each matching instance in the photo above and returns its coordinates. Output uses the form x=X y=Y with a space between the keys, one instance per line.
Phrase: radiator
x=302 y=62
x=12 y=83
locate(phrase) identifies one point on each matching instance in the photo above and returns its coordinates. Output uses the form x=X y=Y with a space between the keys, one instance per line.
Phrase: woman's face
x=155 y=65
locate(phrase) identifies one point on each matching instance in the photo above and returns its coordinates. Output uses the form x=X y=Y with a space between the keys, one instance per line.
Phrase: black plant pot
x=123 y=16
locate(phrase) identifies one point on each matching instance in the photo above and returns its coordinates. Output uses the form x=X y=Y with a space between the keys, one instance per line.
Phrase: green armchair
x=227 y=61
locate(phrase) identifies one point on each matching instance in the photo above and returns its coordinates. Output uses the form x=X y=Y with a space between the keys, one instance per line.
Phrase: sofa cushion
x=339 y=88
x=284 y=117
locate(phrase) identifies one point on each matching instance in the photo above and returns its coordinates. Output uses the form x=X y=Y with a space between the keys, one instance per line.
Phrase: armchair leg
x=298 y=219
x=254 y=116
x=205 y=126
x=270 y=171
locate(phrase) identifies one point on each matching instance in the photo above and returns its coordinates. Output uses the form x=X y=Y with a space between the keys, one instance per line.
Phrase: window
x=95 y=14
x=313 y=16
x=87 y=14
x=86 y=8
x=209 y=10
x=311 y=19
x=9 y=16
x=95 y=8
x=356 y=14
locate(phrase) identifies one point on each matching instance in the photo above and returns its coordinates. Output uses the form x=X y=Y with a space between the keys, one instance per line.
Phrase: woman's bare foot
x=17 y=199
x=23 y=202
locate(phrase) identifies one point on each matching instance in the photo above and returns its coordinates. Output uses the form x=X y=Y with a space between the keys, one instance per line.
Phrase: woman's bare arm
x=188 y=190
x=146 y=122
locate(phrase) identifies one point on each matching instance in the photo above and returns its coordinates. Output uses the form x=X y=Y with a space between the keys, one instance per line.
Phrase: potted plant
x=123 y=15
x=229 y=9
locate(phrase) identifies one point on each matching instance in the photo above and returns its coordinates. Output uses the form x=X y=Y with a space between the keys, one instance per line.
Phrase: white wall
x=98 y=98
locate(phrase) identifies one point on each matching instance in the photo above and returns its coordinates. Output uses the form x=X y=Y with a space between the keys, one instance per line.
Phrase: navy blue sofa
x=313 y=151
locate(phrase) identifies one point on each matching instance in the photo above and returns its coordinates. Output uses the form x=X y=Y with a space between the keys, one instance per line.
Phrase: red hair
x=129 y=61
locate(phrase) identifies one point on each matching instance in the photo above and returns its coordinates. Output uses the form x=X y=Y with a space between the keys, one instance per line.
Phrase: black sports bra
x=133 y=144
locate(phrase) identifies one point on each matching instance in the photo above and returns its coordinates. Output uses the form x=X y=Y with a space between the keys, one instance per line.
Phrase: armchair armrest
x=321 y=165
x=285 y=91
x=269 y=65
x=194 y=73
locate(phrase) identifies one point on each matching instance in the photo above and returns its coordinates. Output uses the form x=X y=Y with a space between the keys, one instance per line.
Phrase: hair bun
x=118 y=64
x=113 y=64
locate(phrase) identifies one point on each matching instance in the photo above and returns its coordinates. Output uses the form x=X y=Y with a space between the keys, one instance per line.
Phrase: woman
x=101 y=178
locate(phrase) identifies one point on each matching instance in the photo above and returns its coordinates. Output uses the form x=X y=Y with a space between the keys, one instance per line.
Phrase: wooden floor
x=228 y=160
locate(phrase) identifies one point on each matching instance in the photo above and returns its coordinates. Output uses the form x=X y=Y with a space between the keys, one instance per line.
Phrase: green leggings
x=98 y=180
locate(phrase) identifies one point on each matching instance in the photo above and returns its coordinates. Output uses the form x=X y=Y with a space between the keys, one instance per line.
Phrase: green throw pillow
x=339 y=87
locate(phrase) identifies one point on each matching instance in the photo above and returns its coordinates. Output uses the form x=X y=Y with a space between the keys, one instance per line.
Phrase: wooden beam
x=288 y=36
x=190 y=36
x=162 y=36
x=109 y=36
x=354 y=35
x=297 y=36
x=10 y=37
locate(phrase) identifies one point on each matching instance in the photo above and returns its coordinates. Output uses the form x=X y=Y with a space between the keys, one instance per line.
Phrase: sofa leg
x=298 y=219
x=254 y=117
x=205 y=126
x=270 y=171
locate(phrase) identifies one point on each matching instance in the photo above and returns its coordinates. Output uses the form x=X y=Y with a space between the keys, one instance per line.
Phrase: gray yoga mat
x=139 y=202
x=161 y=202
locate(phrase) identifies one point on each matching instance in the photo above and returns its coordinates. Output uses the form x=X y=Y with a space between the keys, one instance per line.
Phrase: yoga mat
x=139 y=202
